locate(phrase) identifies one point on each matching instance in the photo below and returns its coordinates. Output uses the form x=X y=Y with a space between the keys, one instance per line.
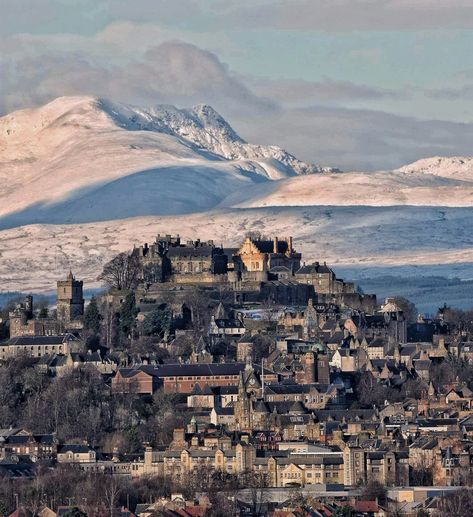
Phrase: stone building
x=70 y=300
x=364 y=463
x=395 y=321
x=23 y=323
x=39 y=346
x=169 y=258
x=323 y=278
x=260 y=256
x=281 y=468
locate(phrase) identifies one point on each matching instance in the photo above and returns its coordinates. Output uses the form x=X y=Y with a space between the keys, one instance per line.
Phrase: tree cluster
x=79 y=406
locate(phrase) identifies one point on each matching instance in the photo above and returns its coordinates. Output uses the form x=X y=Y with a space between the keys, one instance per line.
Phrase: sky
x=355 y=84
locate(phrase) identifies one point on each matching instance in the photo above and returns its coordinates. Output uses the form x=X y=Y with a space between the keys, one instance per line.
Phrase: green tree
x=157 y=322
x=128 y=312
x=3 y=509
x=43 y=313
x=343 y=511
x=92 y=317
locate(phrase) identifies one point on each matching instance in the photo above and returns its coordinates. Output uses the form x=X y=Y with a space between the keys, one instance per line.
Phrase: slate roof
x=190 y=251
x=308 y=459
x=378 y=342
x=261 y=407
x=202 y=370
x=47 y=439
x=267 y=246
x=313 y=268
x=422 y=365
x=349 y=414
x=279 y=269
x=228 y=323
x=16 y=470
x=287 y=389
x=39 y=340
x=131 y=372
x=74 y=448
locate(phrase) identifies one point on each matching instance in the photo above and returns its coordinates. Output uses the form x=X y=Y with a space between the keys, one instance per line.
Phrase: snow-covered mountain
x=208 y=130
x=85 y=159
x=83 y=178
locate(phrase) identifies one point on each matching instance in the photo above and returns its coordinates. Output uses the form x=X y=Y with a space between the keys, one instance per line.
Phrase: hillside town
x=205 y=380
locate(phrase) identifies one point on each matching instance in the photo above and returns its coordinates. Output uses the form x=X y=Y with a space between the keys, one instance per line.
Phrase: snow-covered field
x=33 y=256
x=82 y=179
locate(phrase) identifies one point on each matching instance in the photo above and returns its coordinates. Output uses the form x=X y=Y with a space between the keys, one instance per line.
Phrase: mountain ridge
x=81 y=166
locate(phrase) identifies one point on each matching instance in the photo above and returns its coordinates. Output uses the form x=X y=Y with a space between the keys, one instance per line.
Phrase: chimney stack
x=275 y=245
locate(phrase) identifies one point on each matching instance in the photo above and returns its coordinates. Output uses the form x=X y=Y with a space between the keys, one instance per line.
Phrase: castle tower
x=70 y=300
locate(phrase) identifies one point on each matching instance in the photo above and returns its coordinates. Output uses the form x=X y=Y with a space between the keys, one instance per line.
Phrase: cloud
x=461 y=93
x=298 y=91
x=349 y=15
x=292 y=114
x=89 y=16
x=358 y=139
x=172 y=72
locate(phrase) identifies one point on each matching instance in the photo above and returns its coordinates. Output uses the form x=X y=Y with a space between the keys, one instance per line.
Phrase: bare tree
x=111 y=493
x=110 y=323
x=270 y=309
x=122 y=272
x=459 y=504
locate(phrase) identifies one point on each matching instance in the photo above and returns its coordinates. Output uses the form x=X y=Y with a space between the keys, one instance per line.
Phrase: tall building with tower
x=70 y=299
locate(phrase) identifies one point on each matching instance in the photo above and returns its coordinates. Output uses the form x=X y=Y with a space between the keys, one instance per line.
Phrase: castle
x=259 y=269
x=70 y=309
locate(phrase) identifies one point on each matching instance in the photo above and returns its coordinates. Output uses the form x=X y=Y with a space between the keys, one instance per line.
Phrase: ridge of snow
x=207 y=129
x=446 y=166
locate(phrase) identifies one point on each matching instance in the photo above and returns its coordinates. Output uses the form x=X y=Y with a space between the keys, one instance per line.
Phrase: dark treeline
x=70 y=486
x=79 y=406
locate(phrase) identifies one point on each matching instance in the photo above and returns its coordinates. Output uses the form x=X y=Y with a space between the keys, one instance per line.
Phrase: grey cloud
x=347 y=15
x=88 y=16
x=182 y=74
x=173 y=72
x=359 y=139
x=461 y=93
x=301 y=91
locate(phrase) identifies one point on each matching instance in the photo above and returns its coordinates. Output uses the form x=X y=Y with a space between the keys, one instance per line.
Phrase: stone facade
x=70 y=300
x=323 y=279
x=170 y=258
x=260 y=256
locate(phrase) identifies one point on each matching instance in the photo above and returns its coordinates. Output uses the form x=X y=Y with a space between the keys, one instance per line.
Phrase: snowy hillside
x=83 y=178
x=428 y=182
x=460 y=167
x=81 y=158
x=355 y=237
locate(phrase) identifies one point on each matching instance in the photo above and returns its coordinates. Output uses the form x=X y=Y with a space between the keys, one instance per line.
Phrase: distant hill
x=83 y=178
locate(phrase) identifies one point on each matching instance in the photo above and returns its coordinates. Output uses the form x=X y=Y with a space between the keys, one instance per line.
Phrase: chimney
x=275 y=245
x=289 y=245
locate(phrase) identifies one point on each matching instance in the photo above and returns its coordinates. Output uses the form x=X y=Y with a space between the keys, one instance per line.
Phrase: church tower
x=70 y=300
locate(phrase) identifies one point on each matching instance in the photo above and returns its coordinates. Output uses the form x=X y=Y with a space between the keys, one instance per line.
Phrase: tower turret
x=70 y=300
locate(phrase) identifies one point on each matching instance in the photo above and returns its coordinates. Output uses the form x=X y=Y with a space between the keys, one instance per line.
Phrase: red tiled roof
x=366 y=506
